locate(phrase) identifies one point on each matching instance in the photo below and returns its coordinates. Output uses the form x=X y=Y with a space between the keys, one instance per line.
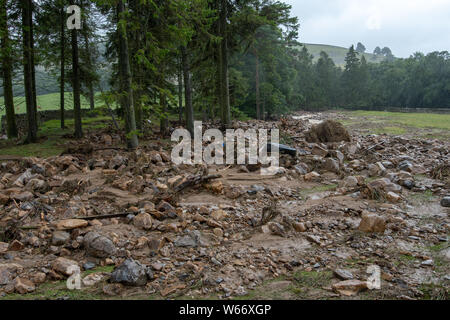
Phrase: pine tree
x=5 y=55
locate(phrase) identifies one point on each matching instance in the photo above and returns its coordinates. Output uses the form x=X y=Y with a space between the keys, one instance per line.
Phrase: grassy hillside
x=338 y=53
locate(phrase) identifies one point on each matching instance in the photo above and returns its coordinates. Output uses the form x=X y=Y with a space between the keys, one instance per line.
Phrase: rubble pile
x=341 y=203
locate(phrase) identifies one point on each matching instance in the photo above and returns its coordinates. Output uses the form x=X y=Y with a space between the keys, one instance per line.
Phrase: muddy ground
x=132 y=225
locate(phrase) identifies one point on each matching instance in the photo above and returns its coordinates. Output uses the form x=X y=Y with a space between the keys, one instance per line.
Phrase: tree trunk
x=89 y=84
x=258 y=104
x=126 y=81
x=187 y=91
x=164 y=122
x=225 y=96
x=76 y=84
x=33 y=65
x=62 y=79
x=27 y=70
x=180 y=93
x=11 y=128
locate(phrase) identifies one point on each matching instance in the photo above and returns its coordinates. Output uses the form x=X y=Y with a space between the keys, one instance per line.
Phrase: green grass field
x=338 y=53
x=45 y=102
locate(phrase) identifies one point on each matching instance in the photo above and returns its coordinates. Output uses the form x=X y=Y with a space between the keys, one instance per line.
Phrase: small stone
x=23 y=286
x=16 y=245
x=70 y=224
x=219 y=215
x=299 y=226
x=343 y=274
x=428 y=262
x=312 y=176
x=218 y=232
x=349 y=287
x=393 y=197
x=60 y=238
x=143 y=221
x=445 y=202
x=93 y=278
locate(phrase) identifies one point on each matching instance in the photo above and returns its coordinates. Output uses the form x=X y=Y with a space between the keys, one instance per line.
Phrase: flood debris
x=338 y=202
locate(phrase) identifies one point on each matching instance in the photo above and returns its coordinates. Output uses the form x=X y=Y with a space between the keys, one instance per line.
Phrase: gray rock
x=89 y=265
x=99 y=246
x=445 y=202
x=130 y=273
x=343 y=274
x=60 y=238
x=405 y=166
x=192 y=239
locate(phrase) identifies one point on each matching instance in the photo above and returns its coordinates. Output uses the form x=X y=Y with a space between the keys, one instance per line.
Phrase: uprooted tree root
x=328 y=131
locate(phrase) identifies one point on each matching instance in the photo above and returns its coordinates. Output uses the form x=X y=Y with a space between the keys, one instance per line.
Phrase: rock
x=98 y=245
x=23 y=196
x=143 y=221
x=112 y=289
x=219 y=215
x=130 y=273
x=382 y=186
x=405 y=166
x=393 y=197
x=314 y=239
x=343 y=274
x=38 y=185
x=16 y=245
x=4 y=199
x=38 y=277
x=89 y=265
x=445 y=202
x=3 y=247
x=372 y=223
x=23 y=286
x=331 y=165
x=319 y=151
x=168 y=209
x=312 y=176
x=299 y=226
x=65 y=266
x=60 y=238
x=218 y=232
x=428 y=262
x=349 y=287
x=192 y=239
x=8 y=272
x=70 y=224
x=349 y=182
x=301 y=168
x=215 y=187
x=93 y=278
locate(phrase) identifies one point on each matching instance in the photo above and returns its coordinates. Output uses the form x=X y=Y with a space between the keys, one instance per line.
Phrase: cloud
x=406 y=26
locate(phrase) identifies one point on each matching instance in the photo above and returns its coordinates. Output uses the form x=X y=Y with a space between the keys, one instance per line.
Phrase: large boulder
x=130 y=273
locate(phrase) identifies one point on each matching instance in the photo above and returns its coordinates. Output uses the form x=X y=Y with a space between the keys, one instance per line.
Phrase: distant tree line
x=214 y=59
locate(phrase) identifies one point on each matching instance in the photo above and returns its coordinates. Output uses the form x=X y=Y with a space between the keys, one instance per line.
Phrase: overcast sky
x=405 y=26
